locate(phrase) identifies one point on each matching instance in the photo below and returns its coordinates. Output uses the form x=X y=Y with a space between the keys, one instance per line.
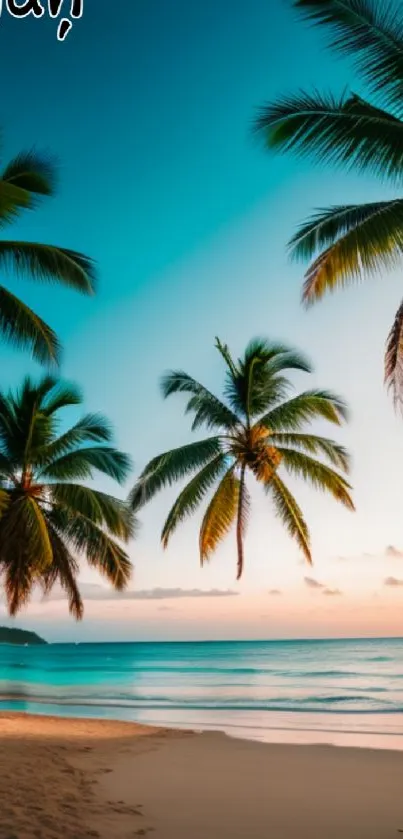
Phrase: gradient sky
x=148 y=109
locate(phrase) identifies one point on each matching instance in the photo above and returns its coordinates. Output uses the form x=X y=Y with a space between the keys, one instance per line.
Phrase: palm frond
x=12 y=201
x=241 y=521
x=21 y=327
x=220 y=515
x=48 y=263
x=192 y=495
x=101 y=551
x=4 y=497
x=170 y=467
x=256 y=382
x=37 y=536
x=34 y=393
x=104 y=510
x=364 y=240
x=345 y=131
x=80 y=464
x=23 y=424
x=90 y=428
x=290 y=514
x=23 y=532
x=32 y=172
x=312 y=444
x=304 y=408
x=318 y=474
x=61 y=395
x=394 y=358
x=63 y=570
x=276 y=357
x=224 y=351
x=208 y=410
x=6 y=468
x=7 y=429
x=17 y=580
x=370 y=31
x=328 y=225
x=254 y=390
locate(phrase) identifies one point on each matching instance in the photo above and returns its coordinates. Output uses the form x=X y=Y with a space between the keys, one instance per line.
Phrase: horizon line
x=240 y=640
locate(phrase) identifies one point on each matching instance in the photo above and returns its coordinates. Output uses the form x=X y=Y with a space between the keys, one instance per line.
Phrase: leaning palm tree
x=48 y=518
x=258 y=432
x=23 y=181
x=349 y=242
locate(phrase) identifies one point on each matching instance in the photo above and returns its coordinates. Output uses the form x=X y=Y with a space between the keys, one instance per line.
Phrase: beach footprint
x=125 y=809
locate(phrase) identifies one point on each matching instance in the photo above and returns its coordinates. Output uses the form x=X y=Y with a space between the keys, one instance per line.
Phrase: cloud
x=275 y=591
x=390 y=552
x=94 y=592
x=395 y=553
x=166 y=609
x=327 y=590
x=311 y=583
x=393 y=582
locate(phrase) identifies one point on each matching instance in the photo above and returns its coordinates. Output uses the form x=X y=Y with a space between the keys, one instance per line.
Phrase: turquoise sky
x=149 y=110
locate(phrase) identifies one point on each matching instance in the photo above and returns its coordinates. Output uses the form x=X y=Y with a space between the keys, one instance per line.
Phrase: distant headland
x=19 y=636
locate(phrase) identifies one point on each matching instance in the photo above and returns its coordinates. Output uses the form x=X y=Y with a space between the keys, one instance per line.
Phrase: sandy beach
x=82 y=778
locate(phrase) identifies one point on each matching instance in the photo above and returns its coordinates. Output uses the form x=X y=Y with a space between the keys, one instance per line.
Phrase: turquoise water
x=298 y=691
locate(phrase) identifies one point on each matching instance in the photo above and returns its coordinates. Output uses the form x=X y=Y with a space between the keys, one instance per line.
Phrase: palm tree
x=23 y=181
x=258 y=432
x=48 y=518
x=349 y=242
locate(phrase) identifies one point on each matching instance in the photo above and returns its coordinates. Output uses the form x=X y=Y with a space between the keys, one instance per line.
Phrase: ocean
x=345 y=692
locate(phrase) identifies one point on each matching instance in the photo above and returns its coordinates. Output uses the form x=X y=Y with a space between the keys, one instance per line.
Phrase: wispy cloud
x=393 y=582
x=324 y=589
x=311 y=583
x=274 y=592
x=395 y=553
x=390 y=552
x=95 y=592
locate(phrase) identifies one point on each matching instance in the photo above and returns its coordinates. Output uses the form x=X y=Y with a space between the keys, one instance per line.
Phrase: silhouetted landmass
x=19 y=636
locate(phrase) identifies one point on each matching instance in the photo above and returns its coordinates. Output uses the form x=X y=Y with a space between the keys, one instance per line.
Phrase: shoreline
x=110 y=730
x=100 y=778
x=280 y=732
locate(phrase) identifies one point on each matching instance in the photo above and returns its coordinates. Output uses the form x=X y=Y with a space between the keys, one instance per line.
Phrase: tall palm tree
x=349 y=242
x=258 y=432
x=24 y=180
x=48 y=518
